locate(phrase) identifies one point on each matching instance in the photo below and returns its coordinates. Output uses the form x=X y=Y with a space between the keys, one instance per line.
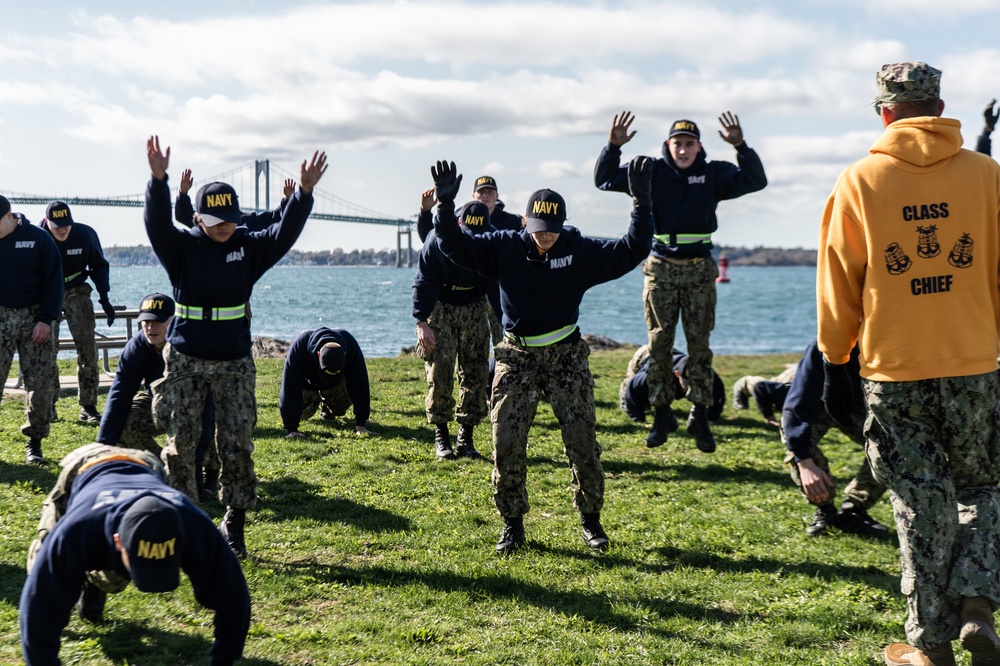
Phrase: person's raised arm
x=609 y=175
x=311 y=171
x=158 y=160
x=731 y=131
x=619 y=134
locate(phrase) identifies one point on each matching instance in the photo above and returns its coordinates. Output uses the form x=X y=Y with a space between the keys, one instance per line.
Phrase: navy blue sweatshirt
x=440 y=279
x=184 y=213
x=302 y=372
x=31 y=271
x=82 y=257
x=684 y=201
x=804 y=402
x=206 y=274
x=542 y=293
x=82 y=541
x=140 y=364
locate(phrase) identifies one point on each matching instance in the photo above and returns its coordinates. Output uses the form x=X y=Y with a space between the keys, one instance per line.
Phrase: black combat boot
x=210 y=483
x=33 y=451
x=512 y=536
x=858 y=521
x=90 y=606
x=465 y=447
x=664 y=423
x=232 y=530
x=442 y=442
x=826 y=516
x=593 y=533
x=89 y=414
x=697 y=427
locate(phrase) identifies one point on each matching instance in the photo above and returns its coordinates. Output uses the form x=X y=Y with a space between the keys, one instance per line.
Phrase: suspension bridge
x=261 y=182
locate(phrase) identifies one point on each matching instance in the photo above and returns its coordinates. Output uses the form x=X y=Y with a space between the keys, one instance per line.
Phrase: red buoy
x=723 y=270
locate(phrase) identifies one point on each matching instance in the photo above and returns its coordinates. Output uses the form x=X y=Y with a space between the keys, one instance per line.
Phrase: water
x=763 y=310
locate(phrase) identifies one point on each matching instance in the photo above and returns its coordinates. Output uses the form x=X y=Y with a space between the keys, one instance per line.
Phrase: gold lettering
x=144 y=549
x=546 y=207
x=474 y=221
x=156 y=551
x=60 y=213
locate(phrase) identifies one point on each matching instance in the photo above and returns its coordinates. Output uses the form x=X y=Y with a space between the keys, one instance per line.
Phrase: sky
x=522 y=91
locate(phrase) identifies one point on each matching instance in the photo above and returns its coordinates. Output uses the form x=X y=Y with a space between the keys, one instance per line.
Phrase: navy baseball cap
x=4 y=205
x=474 y=217
x=58 y=215
x=156 y=307
x=218 y=203
x=485 y=181
x=152 y=534
x=546 y=212
x=684 y=127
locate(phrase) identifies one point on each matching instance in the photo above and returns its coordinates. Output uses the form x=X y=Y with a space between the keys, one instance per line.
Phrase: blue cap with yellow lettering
x=58 y=215
x=684 y=127
x=152 y=535
x=546 y=212
x=217 y=203
x=483 y=182
x=474 y=217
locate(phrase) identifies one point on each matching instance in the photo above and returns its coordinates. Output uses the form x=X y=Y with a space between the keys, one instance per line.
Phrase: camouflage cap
x=907 y=82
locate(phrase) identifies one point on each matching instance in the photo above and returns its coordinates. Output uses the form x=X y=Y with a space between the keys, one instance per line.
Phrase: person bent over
x=324 y=369
x=111 y=519
x=804 y=423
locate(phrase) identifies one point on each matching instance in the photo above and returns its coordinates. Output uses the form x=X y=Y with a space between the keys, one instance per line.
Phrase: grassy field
x=367 y=551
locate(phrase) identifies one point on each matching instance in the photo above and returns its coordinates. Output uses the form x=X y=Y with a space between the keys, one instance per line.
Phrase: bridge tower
x=262 y=166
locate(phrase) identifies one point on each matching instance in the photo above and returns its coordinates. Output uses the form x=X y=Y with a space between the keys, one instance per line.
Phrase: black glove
x=109 y=309
x=447 y=180
x=640 y=180
x=990 y=117
x=838 y=393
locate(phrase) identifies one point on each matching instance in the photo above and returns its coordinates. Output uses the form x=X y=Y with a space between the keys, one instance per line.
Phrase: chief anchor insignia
x=928 y=245
x=896 y=261
x=961 y=254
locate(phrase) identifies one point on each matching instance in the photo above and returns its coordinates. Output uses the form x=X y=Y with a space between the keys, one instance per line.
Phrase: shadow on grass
x=675 y=558
x=288 y=498
x=44 y=477
x=127 y=642
x=595 y=607
x=688 y=472
x=11 y=581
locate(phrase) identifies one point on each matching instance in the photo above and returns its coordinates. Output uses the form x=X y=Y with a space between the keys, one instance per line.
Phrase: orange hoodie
x=908 y=257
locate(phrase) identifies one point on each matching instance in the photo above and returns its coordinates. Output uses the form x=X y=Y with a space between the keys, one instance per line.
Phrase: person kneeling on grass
x=324 y=369
x=111 y=519
x=543 y=271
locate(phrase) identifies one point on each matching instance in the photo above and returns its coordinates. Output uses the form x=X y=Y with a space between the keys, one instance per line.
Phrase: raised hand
x=733 y=133
x=619 y=134
x=447 y=180
x=427 y=199
x=186 y=181
x=289 y=188
x=311 y=171
x=640 y=180
x=158 y=160
x=990 y=117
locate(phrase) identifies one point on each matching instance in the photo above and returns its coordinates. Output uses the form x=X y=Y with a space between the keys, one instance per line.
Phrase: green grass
x=367 y=551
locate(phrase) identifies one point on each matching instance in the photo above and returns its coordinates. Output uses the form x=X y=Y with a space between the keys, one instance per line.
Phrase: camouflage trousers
x=863 y=490
x=178 y=402
x=78 y=309
x=54 y=506
x=334 y=400
x=37 y=363
x=462 y=333
x=562 y=374
x=140 y=432
x=683 y=292
x=934 y=443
